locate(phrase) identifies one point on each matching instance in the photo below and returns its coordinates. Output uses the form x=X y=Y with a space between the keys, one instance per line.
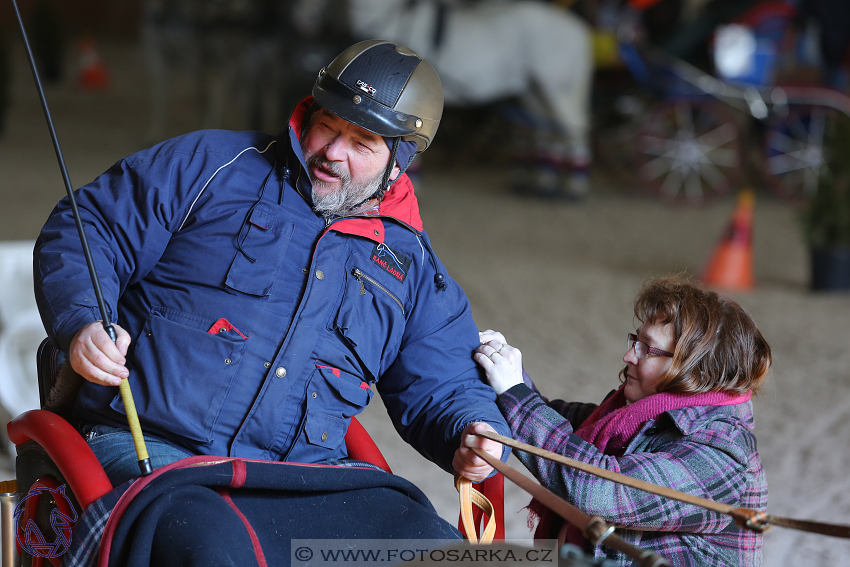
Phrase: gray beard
x=340 y=203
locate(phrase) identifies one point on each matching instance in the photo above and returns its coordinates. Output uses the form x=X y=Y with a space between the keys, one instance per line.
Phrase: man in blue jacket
x=260 y=286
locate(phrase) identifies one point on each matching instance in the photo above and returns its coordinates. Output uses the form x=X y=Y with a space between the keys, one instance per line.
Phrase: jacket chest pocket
x=260 y=251
x=372 y=318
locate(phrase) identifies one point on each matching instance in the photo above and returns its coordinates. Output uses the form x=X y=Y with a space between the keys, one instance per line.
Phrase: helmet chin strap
x=385 y=180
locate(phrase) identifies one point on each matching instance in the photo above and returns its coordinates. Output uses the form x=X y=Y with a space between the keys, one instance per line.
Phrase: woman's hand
x=501 y=362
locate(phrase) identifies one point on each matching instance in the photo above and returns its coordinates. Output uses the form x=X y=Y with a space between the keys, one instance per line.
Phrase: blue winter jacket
x=258 y=331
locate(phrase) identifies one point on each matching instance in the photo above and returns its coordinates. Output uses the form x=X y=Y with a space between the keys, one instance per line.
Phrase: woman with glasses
x=682 y=418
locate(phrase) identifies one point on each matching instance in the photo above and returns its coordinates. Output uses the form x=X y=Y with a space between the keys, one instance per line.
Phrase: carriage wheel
x=689 y=151
x=796 y=149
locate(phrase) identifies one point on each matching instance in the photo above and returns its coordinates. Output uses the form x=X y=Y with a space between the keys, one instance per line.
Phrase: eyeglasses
x=642 y=350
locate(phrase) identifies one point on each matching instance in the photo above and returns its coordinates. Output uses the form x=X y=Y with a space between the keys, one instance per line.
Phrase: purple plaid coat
x=706 y=451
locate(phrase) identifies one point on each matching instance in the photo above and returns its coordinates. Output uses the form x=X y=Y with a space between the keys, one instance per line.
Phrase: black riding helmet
x=384 y=88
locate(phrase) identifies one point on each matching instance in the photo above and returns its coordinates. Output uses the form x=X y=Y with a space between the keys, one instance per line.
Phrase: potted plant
x=826 y=217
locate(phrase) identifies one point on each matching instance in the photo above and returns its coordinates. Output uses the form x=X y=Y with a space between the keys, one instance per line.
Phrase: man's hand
x=96 y=358
x=468 y=463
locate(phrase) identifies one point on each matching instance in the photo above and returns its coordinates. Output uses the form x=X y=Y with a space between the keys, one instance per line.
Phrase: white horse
x=492 y=49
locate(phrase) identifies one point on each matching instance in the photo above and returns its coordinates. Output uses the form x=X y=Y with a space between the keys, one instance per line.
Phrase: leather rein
x=744 y=517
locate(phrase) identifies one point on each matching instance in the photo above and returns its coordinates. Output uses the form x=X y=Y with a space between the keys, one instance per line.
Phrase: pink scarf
x=610 y=428
x=613 y=424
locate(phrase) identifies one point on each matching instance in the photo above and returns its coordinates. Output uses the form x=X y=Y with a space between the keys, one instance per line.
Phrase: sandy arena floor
x=557 y=279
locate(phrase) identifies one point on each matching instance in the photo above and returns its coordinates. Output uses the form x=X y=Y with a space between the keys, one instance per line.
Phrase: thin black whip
x=126 y=394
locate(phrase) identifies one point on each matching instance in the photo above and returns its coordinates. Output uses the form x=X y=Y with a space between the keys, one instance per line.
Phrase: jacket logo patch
x=366 y=88
x=395 y=263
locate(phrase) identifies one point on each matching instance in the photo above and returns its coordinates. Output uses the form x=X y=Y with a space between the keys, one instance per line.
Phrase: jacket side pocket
x=333 y=397
x=182 y=374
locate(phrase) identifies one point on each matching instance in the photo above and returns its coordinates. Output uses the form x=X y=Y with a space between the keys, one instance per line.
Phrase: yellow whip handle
x=135 y=428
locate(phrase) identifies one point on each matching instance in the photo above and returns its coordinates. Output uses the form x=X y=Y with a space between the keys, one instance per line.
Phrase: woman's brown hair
x=718 y=345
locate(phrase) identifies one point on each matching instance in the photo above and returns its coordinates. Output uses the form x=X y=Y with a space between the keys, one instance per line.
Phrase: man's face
x=345 y=162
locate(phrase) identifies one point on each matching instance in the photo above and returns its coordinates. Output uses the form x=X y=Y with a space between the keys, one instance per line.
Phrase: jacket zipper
x=361 y=276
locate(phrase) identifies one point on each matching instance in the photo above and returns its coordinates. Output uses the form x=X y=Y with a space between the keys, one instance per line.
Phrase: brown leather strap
x=469 y=496
x=744 y=517
x=595 y=529
x=834 y=530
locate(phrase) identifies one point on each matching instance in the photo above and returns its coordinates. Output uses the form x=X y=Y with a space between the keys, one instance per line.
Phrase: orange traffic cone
x=731 y=266
x=93 y=75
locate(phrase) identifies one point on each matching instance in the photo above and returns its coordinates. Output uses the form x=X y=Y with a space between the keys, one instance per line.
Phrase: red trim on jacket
x=296 y=119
